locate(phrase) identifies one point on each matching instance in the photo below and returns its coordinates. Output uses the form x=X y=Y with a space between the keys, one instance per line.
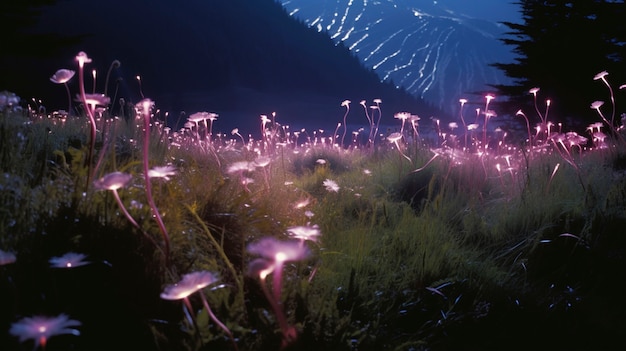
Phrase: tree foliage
x=560 y=47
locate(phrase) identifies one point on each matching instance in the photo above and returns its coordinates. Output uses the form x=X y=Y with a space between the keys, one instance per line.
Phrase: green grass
x=427 y=259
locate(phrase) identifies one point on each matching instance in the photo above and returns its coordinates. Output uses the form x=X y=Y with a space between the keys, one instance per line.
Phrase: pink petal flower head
x=463 y=101
x=260 y=267
x=279 y=251
x=304 y=232
x=144 y=106
x=62 y=76
x=113 y=181
x=472 y=126
x=597 y=104
x=346 y=103
x=7 y=258
x=377 y=101
x=162 y=172
x=40 y=328
x=600 y=75
x=402 y=115
x=69 y=260
x=82 y=58
x=264 y=119
x=190 y=283
x=198 y=117
x=534 y=91
x=394 y=137
x=95 y=99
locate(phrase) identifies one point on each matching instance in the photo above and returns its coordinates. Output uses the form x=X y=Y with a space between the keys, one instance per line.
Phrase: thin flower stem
x=217 y=321
x=131 y=219
x=287 y=331
x=146 y=172
x=92 y=123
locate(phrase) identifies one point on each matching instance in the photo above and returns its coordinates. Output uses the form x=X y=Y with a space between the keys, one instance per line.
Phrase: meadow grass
x=426 y=248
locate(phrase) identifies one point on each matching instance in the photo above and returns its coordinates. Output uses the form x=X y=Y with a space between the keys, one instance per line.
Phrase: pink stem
x=92 y=121
x=146 y=172
x=216 y=320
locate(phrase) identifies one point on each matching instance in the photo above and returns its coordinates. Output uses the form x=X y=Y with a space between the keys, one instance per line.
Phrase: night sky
x=170 y=64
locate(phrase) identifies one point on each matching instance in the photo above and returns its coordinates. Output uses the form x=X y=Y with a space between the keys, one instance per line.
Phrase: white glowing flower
x=331 y=185
x=162 y=172
x=40 y=328
x=69 y=260
x=304 y=232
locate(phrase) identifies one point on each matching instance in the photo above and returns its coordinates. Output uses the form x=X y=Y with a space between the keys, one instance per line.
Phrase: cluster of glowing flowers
x=189 y=284
x=7 y=258
x=69 y=260
x=8 y=98
x=40 y=328
x=331 y=185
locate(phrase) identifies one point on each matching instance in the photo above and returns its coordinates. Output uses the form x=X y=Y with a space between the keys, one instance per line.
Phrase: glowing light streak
x=358 y=41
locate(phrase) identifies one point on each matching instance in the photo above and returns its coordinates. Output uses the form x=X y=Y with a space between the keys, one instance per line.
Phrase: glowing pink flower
x=62 y=76
x=94 y=100
x=596 y=105
x=40 y=328
x=113 y=181
x=279 y=251
x=190 y=283
x=82 y=58
x=69 y=260
x=600 y=75
x=394 y=137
